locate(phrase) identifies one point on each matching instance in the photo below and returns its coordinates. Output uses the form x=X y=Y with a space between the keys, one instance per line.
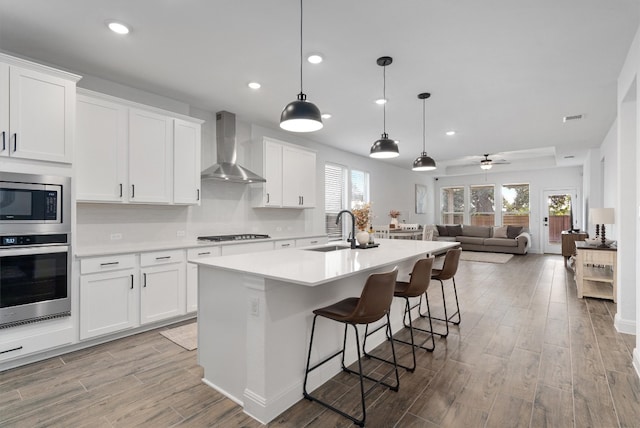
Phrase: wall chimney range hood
x=227 y=169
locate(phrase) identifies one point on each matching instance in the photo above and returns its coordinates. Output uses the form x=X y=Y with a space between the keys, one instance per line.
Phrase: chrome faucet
x=352 y=240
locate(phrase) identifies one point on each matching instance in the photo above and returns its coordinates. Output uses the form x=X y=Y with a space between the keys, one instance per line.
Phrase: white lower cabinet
x=192 y=273
x=108 y=295
x=163 y=285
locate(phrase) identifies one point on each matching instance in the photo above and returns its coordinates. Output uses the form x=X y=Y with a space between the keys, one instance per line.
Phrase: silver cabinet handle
x=109 y=264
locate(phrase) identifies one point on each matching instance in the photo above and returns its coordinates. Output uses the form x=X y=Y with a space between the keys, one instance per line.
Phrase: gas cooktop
x=237 y=237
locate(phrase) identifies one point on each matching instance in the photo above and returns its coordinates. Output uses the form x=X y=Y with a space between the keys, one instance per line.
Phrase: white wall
x=539 y=181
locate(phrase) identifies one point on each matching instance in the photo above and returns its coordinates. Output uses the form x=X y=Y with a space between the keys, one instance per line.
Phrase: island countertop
x=310 y=268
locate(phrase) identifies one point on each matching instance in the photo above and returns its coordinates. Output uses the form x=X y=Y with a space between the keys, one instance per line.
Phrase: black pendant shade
x=301 y=115
x=384 y=148
x=424 y=162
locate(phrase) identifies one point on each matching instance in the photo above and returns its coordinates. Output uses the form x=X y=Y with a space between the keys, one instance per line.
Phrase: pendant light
x=424 y=162
x=301 y=115
x=384 y=147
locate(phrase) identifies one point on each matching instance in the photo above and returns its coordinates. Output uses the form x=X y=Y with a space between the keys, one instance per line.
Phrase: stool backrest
x=420 y=277
x=375 y=299
x=450 y=265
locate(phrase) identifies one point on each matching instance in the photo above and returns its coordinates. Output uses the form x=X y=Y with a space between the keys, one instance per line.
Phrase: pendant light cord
x=301 y=46
x=384 y=97
x=424 y=137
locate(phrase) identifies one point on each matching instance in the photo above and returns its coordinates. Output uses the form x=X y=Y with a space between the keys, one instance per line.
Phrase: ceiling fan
x=487 y=163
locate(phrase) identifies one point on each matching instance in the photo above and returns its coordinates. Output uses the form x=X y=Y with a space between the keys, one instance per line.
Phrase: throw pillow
x=455 y=230
x=442 y=230
x=513 y=231
x=500 y=232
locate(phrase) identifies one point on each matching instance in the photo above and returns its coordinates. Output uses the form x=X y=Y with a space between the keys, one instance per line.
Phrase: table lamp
x=602 y=216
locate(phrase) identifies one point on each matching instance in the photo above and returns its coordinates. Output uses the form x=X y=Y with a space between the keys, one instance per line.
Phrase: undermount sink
x=328 y=248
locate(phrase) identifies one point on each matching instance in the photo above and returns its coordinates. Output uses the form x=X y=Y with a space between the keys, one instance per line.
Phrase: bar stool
x=373 y=304
x=448 y=271
x=418 y=283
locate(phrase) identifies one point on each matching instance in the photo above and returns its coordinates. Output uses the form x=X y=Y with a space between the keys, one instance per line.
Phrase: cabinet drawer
x=307 y=242
x=290 y=243
x=597 y=257
x=198 y=253
x=107 y=263
x=35 y=343
x=161 y=257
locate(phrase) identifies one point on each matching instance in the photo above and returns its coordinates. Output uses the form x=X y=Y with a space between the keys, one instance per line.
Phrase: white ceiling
x=502 y=73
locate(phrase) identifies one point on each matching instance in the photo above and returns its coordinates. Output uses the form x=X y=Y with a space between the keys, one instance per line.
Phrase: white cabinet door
x=298 y=178
x=150 y=157
x=186 y=161
x=162 y=293
x=4 y=110
x=101 y=150
x=108 y=302
x=41 y=116
x=273 y=174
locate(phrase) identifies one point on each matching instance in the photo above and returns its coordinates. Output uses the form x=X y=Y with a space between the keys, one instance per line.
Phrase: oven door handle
x=34 y=250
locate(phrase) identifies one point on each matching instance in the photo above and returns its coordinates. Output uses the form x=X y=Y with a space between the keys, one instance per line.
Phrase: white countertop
x=106 y=250
x=310 y=268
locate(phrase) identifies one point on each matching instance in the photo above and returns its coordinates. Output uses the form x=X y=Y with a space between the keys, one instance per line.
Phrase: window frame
x=444 y=213
x=481 y=214
x=504 y=212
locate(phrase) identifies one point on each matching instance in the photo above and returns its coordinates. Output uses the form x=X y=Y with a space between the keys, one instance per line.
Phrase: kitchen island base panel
x=258 y=329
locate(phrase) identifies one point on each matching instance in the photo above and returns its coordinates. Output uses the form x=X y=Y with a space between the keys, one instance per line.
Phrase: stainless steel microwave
x=34 y=203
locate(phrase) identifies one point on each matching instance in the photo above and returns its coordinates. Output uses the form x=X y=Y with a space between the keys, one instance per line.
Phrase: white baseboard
x=624 y=326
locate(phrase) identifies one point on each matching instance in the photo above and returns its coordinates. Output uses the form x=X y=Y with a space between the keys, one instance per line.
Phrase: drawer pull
x=198 y=195
x=110 y=264
x=15 y=142
x=132 y=281
x=163 y=258
x=144 y=280
x=4 y=142
x=284 y=245
x=120 y=189
x=314 y=242
x=205 y=253
x=133 y=191
x=11 y=350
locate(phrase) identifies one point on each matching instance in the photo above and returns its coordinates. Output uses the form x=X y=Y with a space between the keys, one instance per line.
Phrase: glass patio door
x=558 y=216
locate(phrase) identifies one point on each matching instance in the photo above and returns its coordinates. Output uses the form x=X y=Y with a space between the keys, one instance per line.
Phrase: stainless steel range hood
x=227 y=169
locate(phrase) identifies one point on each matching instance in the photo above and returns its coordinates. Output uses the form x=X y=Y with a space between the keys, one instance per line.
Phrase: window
x=482 y=206
x=335 y=198
x=515 y=205
x=359 y=188
x=452 y=205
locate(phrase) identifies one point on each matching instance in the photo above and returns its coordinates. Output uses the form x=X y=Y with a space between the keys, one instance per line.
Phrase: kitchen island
x=255 y=315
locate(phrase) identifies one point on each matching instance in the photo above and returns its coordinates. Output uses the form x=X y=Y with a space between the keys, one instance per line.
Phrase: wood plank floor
x=528 y=353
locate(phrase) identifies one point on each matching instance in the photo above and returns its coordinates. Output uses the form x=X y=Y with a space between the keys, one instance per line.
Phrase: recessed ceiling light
x=254 y=85
x=450 y=133
x=118 y=27
x=381 y=101
x=326 y=115
x=315 y=58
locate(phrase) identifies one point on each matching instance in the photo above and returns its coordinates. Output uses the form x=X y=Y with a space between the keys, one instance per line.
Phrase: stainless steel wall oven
x=35 y=256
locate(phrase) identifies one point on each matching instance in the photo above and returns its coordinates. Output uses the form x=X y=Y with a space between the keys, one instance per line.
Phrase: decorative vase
x=362 y=237
x=394 y=223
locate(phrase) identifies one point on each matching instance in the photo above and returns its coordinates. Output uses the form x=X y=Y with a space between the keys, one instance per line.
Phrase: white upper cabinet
x=150 y=157
x=290 y=172
x=101 y=150
x=186 y=161
x=37 y=111
x=126 y=153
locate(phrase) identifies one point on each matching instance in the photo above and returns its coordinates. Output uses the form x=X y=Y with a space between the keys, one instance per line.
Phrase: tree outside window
x=515 y=205
x=452 y=205
x=482 y=205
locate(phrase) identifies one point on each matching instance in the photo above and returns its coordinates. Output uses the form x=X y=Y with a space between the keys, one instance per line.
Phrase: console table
x=568 y=243
x=596 y=271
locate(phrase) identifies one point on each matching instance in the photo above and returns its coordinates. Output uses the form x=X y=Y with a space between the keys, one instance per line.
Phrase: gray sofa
x=481 y=238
